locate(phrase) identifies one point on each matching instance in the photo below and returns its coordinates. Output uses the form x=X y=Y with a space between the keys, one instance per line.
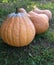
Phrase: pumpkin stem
x=16 y=10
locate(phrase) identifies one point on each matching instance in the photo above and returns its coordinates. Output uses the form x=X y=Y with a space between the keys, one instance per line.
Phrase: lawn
x=39 y=52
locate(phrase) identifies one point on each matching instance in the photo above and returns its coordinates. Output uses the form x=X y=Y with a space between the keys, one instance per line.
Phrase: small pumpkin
x=47 y=12
x=17 y=30
x=23 y=10
x=40 y=22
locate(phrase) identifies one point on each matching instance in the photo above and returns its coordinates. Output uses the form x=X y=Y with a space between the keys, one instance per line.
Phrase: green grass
x=41 y=49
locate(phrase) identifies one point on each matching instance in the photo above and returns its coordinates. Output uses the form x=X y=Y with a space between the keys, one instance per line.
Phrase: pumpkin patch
x=20 y=27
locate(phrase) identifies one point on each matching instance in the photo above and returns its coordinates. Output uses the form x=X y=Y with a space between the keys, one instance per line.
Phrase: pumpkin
x=47 y=12
x=17 y=30
x=23 y=10
x=40 y=22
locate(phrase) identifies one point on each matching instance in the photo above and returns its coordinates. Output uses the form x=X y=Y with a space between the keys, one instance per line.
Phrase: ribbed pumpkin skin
x=40 y=22
x=17 y=31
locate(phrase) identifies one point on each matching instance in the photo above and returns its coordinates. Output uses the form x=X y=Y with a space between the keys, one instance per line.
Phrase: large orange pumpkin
x=17 y=30
x=47 y=12
x=40 y=22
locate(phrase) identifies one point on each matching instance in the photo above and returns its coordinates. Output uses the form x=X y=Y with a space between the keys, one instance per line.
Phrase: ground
x=39 y=52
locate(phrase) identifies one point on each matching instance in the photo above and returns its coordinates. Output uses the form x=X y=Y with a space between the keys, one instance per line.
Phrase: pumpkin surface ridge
x=4 y=28
x=26 y=29
x=13 y=34
x=8 y=33
x=26 y=26
x=12 y=28
x=18 y=22
x=12 y=31
x=5 y=32
x=19 y=31
x=13 y=42
x=23 y=21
